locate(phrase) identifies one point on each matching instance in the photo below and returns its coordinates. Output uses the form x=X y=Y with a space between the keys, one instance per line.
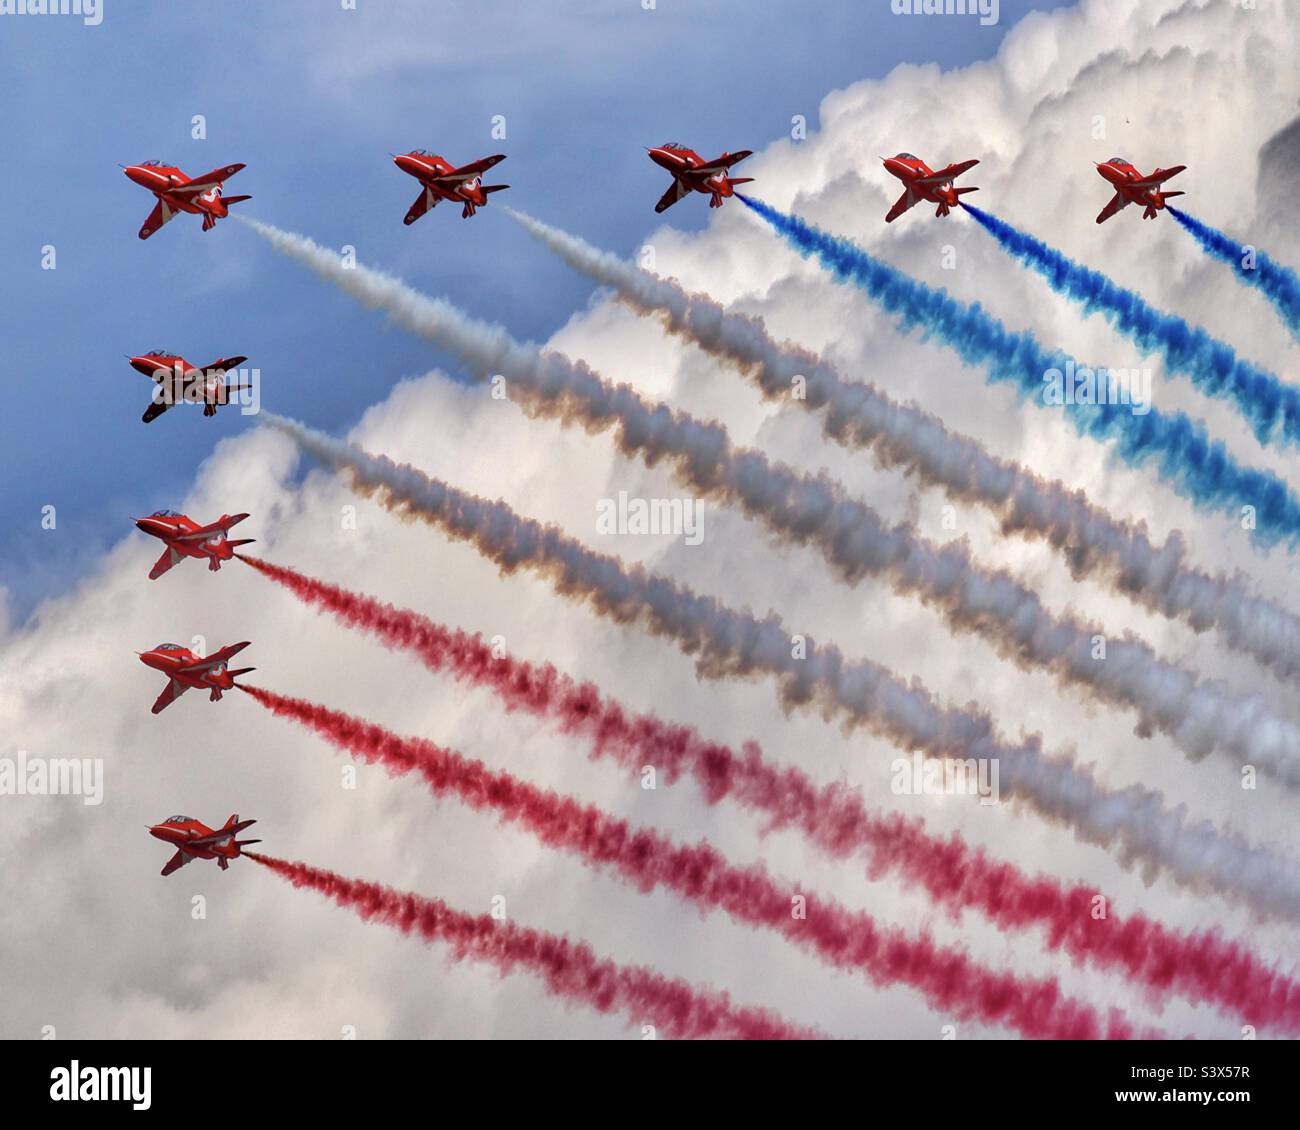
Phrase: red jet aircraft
x=184 y=537
x=923 y=183
x=691 y=173
x=441 y=180
x=193 y=840
x=200 y=196
x=1131 y=187
x=184 y=670
x=179 y=381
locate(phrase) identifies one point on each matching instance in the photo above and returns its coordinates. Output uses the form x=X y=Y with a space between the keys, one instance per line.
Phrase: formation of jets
x=177 y=380
x=441 y=180
x=193 y=840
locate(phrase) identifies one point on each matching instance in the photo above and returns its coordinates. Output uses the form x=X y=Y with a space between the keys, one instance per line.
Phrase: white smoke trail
x=1200 y=715
x=1133 y=822
x=859 y=415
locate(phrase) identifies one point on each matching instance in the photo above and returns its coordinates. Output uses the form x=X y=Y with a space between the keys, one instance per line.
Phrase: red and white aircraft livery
x=441 y=180
x=180 y=382
x=1131 y=187
x=184 y=670
x=924 y=183
x=184 y=537
x=692 y=173
x=193 y=840
x=200 y=196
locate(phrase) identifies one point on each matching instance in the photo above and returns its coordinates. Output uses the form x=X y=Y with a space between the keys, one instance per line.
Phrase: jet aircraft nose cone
x=146 y=365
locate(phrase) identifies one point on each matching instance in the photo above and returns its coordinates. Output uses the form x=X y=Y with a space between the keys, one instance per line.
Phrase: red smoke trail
x=949 y=979
x=571 y=970
x=1201 y=966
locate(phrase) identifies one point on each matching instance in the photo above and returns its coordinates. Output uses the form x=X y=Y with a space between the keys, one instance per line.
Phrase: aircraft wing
x=156 y=408
x=1160 y=176
x=177 y=861
x=473 y=169
x=726 y=161
x=206 y=181
x=159 y=216
x=949 y=173
x=170 y=693
x=1117 y=202
x=675 y=192
x=220 y=656
x=901 y=205
x=426 y=200
x=221 y=834
x=216 y=527
x=169 y=558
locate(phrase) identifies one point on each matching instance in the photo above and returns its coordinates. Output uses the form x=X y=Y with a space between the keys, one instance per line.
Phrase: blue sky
x=313 y=98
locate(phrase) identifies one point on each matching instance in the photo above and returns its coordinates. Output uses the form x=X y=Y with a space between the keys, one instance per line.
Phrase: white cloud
x=105 y=947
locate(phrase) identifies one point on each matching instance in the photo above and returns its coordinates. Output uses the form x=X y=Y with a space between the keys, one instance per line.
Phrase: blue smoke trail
x=1271 y=407
x=1279 y=283
x=1179 y=448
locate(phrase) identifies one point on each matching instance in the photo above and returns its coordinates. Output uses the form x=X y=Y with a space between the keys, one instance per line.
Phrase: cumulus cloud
x=105 y=948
